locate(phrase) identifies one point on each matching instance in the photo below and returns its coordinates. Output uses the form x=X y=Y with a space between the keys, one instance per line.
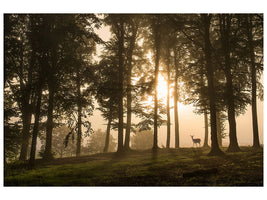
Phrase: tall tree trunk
x=49 y=123
x=79 y=133
x=168 y=102
x=26 y=112
x=36 y=126
x=26 y=121
x=129 y=91
x=215 y=150
x=157 y=49
x=120 y=86
x=225 y=23
x=219 y=131
x=108 y=132
x=256 y=142
x=175 y=98
x=206 y=129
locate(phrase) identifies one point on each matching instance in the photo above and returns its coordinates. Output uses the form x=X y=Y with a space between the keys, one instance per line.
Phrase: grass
x=173 y=167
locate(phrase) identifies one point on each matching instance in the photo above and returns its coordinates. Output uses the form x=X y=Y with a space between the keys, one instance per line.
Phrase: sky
x=189 y=122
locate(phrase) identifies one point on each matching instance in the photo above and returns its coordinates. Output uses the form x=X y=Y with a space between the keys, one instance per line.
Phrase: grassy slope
x=183 y=167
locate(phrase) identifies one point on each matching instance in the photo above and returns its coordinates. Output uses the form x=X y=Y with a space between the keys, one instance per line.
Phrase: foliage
x=142 y=140
x=96 y=143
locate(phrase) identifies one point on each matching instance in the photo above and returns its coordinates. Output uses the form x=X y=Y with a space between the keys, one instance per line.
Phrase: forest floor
x=167 y=167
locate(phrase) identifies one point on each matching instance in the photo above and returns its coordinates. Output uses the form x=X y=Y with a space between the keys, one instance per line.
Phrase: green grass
x=182 y=167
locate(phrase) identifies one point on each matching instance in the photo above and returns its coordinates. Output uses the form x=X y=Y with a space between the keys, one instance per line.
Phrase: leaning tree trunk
x=120 y=86
x=215 y=150
x=129 y=92
x=157 y=49
x=108 y=131
x=168 y=102
x=175 y=98
x=36 y=126
x=79 y=133
x=256 y=142
x=49 y=123
x=225 y=23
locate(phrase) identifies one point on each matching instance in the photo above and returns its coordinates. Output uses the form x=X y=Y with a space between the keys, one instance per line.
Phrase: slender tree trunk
x=175 y=98
x=256 y=142
x=26 y=114
x=157 y=49
x=215 y=150
x=225 y=23
x=120 y=101
x=79 y=133
x=26 y=118
x=219 y=132
x=168 y=102
x=108 y=132
x=129 y=91
x=49 y=124
x=36 y=126
x=206 y=129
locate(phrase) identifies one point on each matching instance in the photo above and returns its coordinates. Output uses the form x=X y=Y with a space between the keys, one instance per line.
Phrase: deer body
x=196 y=140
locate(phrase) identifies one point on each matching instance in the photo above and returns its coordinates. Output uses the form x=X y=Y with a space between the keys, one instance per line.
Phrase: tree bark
x=108 y=132
x=157 y=49
x=256 y=142
x=215 y=150
x=168 y=102
x=206 y=129
x=79 y=133
x=120 y=85
x=129 y=91
x=225 y=24
x=219 y=132
x=49 y=124
x=26 y=121
x=175 y=98
x=36 y=126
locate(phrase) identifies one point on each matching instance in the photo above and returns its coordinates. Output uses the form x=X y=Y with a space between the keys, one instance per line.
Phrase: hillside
x=174 y=167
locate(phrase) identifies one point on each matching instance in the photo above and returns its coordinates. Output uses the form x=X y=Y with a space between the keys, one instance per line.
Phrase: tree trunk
x=157 y=49
x=120 y=86
x=219 y=131
x=206 y=129
x=36 y=126
x=215 y=150
x=49 y=124
x=108 y=132
x=256 y=142
x=175 y=98
x=129 y=92
x=79 y=133
x=26 y=120
x=26 y=113
x=168 y=102
x=225 y=23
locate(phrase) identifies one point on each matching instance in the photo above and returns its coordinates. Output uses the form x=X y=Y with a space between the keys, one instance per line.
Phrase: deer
x=196 y=140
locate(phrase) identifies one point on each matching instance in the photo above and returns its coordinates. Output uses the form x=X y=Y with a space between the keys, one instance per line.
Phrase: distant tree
x=60 y=149
x=97 y=142
x=142 y=140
